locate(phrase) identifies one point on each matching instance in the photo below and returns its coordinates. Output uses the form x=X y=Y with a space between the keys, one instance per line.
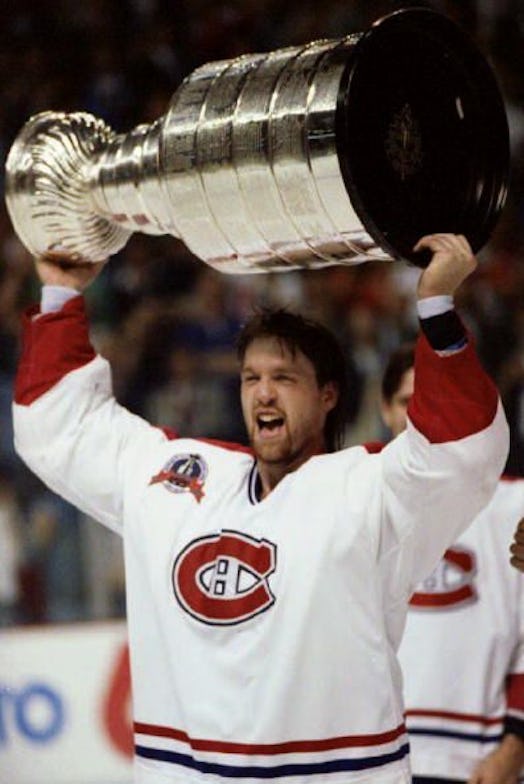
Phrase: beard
x=278 y=452
x=272 y=453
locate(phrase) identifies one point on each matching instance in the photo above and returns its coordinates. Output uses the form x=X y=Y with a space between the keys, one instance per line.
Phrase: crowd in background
x=165 y=320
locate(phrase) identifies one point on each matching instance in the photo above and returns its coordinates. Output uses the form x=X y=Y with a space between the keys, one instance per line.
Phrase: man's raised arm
x=68 y=427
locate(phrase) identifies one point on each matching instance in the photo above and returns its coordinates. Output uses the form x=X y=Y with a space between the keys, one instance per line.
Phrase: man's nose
x=265 y=391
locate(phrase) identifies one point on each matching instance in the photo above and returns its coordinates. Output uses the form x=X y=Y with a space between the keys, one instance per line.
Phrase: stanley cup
x=337 y=152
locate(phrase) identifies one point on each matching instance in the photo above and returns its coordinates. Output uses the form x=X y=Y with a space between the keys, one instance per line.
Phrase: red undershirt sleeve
x=453 y=396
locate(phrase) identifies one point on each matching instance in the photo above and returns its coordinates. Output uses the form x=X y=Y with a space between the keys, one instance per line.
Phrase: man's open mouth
x=269 y=423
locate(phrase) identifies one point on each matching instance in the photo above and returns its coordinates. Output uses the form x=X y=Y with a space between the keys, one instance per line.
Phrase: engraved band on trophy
x=337 y=152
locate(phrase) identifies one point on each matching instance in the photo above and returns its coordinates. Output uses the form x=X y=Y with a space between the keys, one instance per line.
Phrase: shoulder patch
x=183 y=473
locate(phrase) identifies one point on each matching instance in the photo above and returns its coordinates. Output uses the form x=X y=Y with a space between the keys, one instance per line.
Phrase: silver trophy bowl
x=337 y=152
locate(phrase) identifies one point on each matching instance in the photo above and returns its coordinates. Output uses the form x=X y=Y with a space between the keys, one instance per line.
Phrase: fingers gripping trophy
x=336 y=152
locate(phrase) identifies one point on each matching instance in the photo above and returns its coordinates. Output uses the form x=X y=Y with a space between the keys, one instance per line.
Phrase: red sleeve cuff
x=52 y=346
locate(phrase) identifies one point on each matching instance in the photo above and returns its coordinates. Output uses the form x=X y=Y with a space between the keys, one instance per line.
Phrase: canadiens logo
x=222 y=579
x=450 y=584
x=183 y=474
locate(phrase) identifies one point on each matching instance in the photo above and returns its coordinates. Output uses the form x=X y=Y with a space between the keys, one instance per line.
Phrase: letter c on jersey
x=451 y=583
x=222 y=579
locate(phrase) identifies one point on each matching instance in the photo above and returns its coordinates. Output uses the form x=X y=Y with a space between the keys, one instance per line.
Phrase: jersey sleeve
x=68 y=427
x=444 y=468
x=514 y=719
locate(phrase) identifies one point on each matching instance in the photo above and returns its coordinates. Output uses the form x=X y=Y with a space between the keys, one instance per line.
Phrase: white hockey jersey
x=263 y=634
x=462 y=653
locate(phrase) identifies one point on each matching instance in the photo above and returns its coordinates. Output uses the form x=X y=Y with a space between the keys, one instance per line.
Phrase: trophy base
x=422 y=134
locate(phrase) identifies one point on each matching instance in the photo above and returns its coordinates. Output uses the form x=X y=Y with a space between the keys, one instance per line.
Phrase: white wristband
x=53 y=298
x=434 y=306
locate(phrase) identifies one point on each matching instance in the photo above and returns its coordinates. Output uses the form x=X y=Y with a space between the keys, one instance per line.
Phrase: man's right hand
x=55 y=269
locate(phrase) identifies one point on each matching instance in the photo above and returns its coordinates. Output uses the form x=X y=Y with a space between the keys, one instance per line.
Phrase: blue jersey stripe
x=259 y=772
x=475 y=738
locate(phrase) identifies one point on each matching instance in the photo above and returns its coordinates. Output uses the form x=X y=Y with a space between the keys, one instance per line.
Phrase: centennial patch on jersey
x=183 y=474
x=222 y=579
x=451 y=583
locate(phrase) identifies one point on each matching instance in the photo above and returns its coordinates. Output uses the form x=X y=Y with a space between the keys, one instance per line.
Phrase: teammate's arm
x=503 y=765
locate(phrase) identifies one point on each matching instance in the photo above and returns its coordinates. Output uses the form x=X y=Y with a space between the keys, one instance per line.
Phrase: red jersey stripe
x=440 y=714
x=288 y=747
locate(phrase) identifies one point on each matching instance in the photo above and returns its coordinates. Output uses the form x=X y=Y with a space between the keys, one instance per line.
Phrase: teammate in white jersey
x=267 y=587
x=462 y=653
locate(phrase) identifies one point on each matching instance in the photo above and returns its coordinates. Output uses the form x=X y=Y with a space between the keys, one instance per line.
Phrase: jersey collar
x=254 y=486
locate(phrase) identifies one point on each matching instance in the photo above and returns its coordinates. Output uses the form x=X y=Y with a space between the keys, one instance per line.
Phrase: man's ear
x=330 y=395
x=385 y=410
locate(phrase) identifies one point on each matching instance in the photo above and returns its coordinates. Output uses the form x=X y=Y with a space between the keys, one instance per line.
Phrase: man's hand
x=503 y=765
x=55 y=269
x=517 y=547
x=452 y=262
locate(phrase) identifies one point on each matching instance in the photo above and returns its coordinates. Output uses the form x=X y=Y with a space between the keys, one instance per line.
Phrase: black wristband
x=444 y=331
x=514 y=726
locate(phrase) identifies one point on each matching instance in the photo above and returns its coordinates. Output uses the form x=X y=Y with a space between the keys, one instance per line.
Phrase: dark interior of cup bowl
x=422 y=134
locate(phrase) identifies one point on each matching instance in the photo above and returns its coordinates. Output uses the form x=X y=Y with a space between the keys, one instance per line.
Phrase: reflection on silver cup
x=336 y=152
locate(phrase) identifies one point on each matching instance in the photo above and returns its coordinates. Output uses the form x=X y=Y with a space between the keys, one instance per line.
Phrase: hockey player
x=267 y=587
x=462 y=653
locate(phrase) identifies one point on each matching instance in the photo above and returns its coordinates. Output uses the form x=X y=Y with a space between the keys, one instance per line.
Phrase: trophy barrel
x=336 y=152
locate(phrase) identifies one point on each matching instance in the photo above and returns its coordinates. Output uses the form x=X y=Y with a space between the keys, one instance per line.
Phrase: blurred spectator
x=53 y=567
x=191 y=402
x=201 y=385
x=103 y=558
x=10 y=550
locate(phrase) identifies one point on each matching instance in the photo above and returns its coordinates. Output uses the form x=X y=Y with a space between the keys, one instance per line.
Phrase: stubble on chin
x=267 y=454
x=274 y=454
x=270 y=453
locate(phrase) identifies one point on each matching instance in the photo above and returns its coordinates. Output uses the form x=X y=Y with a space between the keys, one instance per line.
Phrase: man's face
x=394 y=411
x=284 y=408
